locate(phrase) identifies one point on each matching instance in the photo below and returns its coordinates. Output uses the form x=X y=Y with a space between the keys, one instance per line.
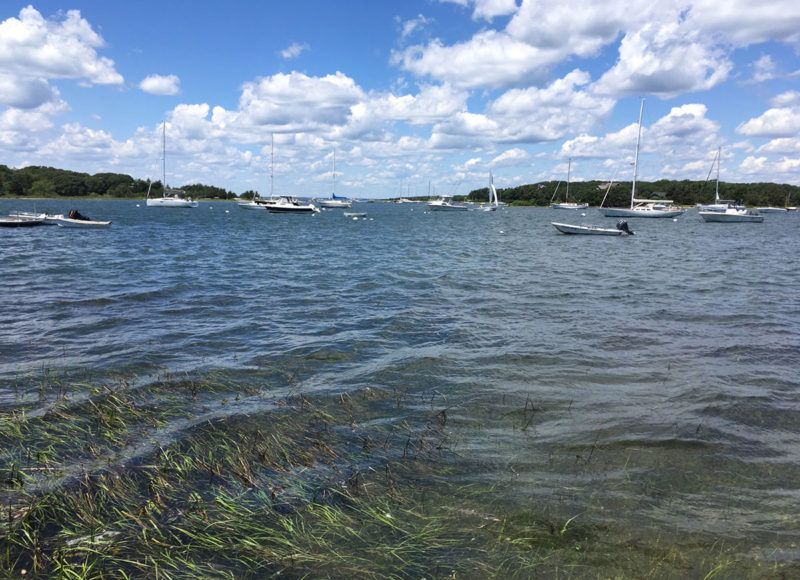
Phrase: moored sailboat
x=646 y=208
x=170 y=197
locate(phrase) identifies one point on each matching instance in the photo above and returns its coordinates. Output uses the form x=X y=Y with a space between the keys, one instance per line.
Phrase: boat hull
x=85 y=224
x=446 y=207
x=640 y=213
x=333 y=203
x=20 y=222
x=585 y=230
x=170 y=202
x=572 y=206
x=745 y=216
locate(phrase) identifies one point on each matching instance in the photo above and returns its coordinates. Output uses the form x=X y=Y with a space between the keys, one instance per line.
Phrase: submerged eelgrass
x=169 y=481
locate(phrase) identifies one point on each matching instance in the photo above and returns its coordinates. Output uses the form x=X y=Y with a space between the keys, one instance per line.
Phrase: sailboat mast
x=569 y=169
x=334 y=172
x=271 y=161
x=716 y=190
x=636 y=157
x=164 y=156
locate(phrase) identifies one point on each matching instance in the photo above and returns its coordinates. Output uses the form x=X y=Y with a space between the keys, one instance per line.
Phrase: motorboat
x=287 y=204
x=76 y=220
x=771 y=209
x=445 y=203
x=732 y=214
x=567 y=204
x=622 y=227
x=170 y=197
x=643 y=208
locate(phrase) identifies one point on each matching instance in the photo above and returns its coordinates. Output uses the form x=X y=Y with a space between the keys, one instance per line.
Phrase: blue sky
x=413 y=96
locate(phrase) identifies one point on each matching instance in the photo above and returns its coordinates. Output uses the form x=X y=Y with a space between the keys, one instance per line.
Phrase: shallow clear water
x=650 y=378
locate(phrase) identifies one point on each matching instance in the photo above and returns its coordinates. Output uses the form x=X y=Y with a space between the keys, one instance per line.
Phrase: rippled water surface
x=652 y=378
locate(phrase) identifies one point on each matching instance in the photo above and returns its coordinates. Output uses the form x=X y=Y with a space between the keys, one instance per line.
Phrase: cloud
x=489 y=59
x=665 y=59
x=161 y=85
x=409 y=27
x=510 y=158
x=786 y=99
x=775 y=122
x=294 y=50
x=298 y=102
x=31 y=46
x=564 y=107
x=764 y=69
x=26 y=92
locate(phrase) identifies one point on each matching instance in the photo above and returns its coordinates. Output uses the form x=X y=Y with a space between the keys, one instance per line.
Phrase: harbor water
x=645 y=382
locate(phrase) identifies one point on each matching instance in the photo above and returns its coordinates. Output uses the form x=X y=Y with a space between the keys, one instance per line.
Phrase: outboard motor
x=76 y=215
x=622 y=226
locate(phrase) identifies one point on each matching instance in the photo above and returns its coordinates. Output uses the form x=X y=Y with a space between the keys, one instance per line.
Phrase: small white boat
x=287 y=204
x=64 y=222
x=732 y=215
x=76 y=220
x=622 y=227
x=334 y=201
x=494 y=202
x=770 y=209
x=170 y=197
x=445 y=203
x=21 y=221
x=719 y=204
x=355 y=214
x=567 y=204
x=254 y=204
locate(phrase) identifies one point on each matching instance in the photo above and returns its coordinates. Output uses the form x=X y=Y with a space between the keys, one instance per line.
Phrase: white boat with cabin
x=445 y=203
x=287 y=204
x=732 y=215
x=644 y=208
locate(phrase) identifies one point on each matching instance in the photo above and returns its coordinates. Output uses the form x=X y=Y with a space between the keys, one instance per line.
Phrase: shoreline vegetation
x=37 y=182
x=114 y=478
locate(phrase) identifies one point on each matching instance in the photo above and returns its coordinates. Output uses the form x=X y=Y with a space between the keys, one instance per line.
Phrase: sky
x=405 y=98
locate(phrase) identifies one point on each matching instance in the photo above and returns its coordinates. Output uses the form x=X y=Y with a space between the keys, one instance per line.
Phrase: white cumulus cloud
x=161 y=85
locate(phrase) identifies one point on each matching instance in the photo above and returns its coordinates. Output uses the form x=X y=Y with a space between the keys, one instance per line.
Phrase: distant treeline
x=50 y=182
x=681 y=192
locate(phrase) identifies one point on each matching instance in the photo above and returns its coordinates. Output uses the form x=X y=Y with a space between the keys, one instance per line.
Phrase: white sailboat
x=493 y=200
x=719 y=204
x=647 y=208
x=567 y=204
x=258 y=203
x=334 y=201
x=170 y=197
